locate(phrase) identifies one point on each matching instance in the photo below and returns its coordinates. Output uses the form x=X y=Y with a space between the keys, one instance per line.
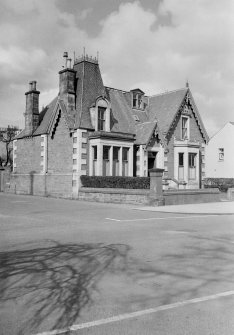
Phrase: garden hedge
x=223 y=184
x=116 y=182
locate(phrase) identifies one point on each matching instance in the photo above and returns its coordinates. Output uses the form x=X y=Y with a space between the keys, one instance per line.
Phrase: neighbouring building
x=220 y=153
x=91 y=129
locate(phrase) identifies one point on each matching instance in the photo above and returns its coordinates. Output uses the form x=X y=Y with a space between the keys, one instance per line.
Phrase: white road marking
x=163 y=218
x=127 y=316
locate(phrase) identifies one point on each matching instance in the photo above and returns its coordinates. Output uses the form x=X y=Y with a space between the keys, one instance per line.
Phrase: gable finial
x=187 y=83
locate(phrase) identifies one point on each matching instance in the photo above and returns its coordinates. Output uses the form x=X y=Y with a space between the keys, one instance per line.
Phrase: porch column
x=99 y=159
x=121 y=161
x=142 y=156
x=111 y=161
x=130 y=162
x=186 y=167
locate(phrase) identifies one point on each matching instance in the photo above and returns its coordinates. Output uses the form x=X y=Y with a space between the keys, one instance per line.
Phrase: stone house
x=219 y=153
x=91 y=129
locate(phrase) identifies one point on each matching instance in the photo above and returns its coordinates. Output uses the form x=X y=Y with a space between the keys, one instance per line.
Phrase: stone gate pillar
x=156 y=190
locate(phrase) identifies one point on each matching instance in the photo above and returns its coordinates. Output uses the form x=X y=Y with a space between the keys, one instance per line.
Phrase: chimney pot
x=30 y=85
x=34 y=85
x=69 y=63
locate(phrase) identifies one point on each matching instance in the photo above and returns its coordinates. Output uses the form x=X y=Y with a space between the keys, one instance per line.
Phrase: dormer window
x=101 y=118
x=137 y=99
x=100 y=115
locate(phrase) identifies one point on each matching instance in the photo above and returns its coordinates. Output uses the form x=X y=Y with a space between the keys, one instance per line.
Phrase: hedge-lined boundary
x=223 y=184
x=116 y=182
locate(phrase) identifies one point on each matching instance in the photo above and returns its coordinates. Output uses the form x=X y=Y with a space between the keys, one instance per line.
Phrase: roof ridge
x=116 y=89
x=164 y=93
x=146 y=122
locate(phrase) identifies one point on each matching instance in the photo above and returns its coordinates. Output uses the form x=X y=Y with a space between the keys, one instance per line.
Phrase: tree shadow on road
x=57 y=280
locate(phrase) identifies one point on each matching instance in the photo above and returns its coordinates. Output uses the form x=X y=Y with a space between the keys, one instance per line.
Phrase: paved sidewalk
x=221 y=208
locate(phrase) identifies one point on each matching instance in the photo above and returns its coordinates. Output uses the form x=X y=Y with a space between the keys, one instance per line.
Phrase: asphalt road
x=112 y=269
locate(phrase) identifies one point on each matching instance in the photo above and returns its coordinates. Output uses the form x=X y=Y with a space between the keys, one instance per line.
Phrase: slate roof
x=144 y=132
x=121 y=118
x=46 y=117
x=163 y=107
x=89 y=87
x=160 y=109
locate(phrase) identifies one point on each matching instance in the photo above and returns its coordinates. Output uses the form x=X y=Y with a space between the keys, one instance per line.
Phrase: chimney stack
x=67 y=78
x=32 y=108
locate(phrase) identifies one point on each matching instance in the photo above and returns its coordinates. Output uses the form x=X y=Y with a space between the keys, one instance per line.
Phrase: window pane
x=181 y=159
x=137 y=100
x=134 y=100
x=125 y=154
x=221 y=154
x=192 y=165
x=116 y=153
x=192 y=160
x=101 y=118
x=184 y=127
x=184 y=122
x=94 y=152
x=106 y=151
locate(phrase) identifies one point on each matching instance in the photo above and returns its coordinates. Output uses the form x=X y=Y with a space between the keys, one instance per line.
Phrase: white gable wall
x=216 y=168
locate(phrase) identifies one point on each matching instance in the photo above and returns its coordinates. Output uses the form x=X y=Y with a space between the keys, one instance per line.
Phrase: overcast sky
x=155 y=45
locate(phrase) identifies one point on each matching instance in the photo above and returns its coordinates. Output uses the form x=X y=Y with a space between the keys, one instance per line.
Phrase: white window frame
x=137 y=101
x=180 y=167
x=221 y=154
x=102 y=120
x=187 y=127
x=192 y=169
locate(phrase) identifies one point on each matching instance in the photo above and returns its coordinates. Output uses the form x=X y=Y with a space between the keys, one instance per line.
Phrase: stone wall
x=142 y=197
x=191 y=196
x=116 y=195
x=56 y=185
x=28 y=155
x=60 y=148
x=60 y=185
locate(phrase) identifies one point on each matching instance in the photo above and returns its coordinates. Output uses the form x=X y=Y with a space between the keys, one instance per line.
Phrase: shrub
x=116 y=182
x=223 y=184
